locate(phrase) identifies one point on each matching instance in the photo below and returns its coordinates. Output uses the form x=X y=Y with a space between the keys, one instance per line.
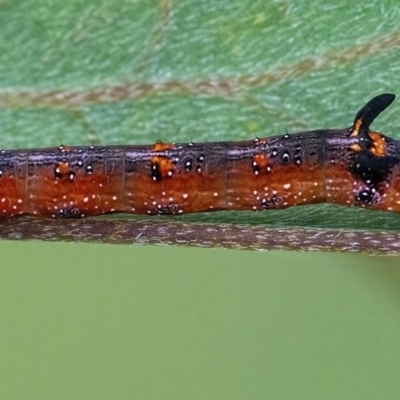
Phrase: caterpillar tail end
x=369 y=112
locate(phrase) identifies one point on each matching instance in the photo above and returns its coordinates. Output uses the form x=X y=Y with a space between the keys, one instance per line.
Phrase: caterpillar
x=352 y=167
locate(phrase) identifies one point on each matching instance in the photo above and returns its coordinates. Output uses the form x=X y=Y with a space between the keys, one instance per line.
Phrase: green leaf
x=127 y=72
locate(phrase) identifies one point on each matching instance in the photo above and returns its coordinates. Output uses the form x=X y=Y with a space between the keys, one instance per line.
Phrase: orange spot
x=378 y=144
x=356 y=147
x=160 y=146
x=66 y=149
x=165 y=165
x=64 y=168
x=261 y=160
x=356 y=128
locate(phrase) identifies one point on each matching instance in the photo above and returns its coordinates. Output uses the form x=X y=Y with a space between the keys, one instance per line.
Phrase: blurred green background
x=129 y=322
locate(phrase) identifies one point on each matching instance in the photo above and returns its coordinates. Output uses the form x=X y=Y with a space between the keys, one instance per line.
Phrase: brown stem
x=120 y=231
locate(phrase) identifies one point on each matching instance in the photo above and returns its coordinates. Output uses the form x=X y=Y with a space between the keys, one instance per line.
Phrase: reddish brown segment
x=351 y=166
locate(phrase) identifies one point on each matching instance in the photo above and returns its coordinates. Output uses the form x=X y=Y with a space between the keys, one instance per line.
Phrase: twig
x=229 y=236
